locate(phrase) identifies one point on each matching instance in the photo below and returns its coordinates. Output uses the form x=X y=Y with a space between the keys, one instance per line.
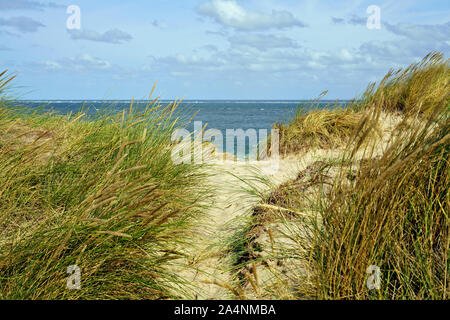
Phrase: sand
x=239 y=187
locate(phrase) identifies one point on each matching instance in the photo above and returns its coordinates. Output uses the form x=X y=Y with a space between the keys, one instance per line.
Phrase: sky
x=213 y=49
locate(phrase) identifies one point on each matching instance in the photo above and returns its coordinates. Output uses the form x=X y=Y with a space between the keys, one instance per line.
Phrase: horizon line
x=182 y=100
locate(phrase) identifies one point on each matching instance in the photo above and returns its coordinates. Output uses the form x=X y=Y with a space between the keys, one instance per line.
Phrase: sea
x=215 y=114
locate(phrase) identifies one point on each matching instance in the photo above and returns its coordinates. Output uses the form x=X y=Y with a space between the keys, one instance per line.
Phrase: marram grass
x=388 y=208
x=102 y=194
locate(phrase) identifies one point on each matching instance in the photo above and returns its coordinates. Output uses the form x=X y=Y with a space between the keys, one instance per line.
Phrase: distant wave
x=184 y=101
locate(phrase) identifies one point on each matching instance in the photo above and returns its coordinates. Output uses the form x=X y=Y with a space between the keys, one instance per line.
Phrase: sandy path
x=210 y=266
x=229 y=205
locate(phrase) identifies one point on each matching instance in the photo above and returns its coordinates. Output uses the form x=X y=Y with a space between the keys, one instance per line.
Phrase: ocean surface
x=217 y=114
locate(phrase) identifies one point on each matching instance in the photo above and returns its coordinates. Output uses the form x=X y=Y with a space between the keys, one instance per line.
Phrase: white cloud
x=225 y=44
x=22 y=24
x=27 y=5
x=114 y=36
x=84 y=62
x=230 y=14
x=94 y=62
x=438 y=32
x=345 y=55
x=53 y=65
x=238 y=59
x=262 y=42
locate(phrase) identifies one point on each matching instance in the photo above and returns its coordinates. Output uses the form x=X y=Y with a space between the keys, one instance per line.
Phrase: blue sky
x=213 y=49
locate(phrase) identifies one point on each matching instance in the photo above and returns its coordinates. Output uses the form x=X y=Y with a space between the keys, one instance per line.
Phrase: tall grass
x=317 y=129
x=102 y=194
x=421 y=86
x=383 y=203
x=395 y=213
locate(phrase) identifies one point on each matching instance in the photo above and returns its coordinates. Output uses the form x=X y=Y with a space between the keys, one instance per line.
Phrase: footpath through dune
x=210 y=268
x=207 y=265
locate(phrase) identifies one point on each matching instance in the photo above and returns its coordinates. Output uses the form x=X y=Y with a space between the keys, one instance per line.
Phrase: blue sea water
x=217 y=114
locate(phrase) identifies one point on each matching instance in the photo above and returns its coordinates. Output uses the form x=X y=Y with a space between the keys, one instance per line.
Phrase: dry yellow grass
x=100 y=193
x=380 y=202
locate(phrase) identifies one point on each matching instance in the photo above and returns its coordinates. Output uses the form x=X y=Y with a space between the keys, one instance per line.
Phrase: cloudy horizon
x=213 y=49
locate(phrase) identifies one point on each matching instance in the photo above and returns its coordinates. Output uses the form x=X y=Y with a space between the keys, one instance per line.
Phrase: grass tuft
x=378 y=202
x=100 y=193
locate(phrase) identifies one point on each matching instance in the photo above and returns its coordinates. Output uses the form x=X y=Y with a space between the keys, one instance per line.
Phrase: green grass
x=326 y=128
x=420 y=87
x=395 y=212
x=102 y=194
x=388 y=209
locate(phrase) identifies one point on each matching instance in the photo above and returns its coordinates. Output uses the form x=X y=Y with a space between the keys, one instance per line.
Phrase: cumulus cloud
x=79 y=63
x=422 y=33
x=253 y=55
x=230 y=14
x=27 y=5
x=115 y=36
x=237 y=60
x=22 y=24
x=438 y=32
x=87 y=61
x=262 y=41
x=417 y=41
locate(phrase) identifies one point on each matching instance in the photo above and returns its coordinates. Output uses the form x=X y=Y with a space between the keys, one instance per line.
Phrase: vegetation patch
x=102 y=194
x=381 y=202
